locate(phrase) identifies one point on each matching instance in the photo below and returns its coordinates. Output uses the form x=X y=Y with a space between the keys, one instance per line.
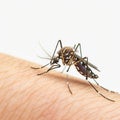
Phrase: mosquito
x=69 y=57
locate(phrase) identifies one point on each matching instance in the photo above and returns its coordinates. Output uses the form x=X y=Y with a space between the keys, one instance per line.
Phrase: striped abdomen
x=84 y=70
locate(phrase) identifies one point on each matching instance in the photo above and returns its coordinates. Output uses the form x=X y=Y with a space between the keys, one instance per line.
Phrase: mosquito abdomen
x=84 y=70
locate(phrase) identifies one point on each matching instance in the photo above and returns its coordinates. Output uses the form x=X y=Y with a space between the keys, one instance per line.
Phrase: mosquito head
x=54 y=60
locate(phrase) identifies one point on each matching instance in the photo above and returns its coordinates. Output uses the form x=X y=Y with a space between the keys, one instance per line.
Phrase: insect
x=69 y=57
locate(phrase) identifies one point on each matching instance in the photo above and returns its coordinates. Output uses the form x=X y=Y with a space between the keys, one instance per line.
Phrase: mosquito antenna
x=44 y=50
x=43 y=57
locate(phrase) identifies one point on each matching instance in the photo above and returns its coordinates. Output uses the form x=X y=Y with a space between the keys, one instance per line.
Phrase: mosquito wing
x=93 y=66
x=90 y=64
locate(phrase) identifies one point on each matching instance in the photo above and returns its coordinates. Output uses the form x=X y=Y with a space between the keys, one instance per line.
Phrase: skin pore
x=26 y=96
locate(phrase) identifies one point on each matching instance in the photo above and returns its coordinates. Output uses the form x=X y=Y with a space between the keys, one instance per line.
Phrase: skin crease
x=26 y=96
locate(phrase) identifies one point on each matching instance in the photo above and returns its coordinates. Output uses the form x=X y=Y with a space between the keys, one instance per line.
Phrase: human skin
x=26 y=96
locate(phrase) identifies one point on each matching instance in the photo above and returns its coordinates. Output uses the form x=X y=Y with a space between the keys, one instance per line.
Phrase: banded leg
x=96 y=83
x=35 y=67
x=94 y=79
x=51 y=68
x=103 y=87
x=40 y=67
x=100 y=93
x=68 y=83
x=63 y=69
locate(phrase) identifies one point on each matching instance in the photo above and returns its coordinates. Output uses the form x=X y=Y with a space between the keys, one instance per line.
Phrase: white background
x=93 y=23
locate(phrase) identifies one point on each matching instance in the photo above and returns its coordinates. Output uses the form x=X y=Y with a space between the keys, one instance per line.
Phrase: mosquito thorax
x=66 y=54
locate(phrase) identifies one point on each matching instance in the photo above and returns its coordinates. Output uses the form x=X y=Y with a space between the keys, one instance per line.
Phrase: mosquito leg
x=87 y=75
x=40 y=67
x=102 y=86
x=80 y=50
x=35 y=68
x=59 y=42
x=94 y=79
x=63 y=69
x=45 y=65
x=68 y=68
x=51 y=68
x=96 y=83
x=68 y=83
x=100 y=93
